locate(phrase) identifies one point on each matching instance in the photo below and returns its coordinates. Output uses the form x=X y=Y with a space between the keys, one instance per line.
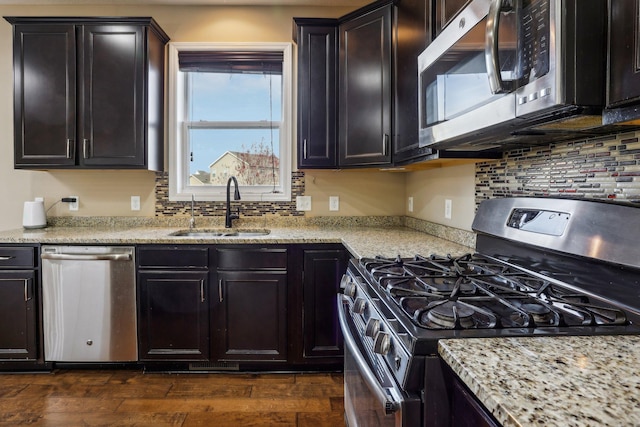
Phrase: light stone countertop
x=360 y=241
x=552 y=381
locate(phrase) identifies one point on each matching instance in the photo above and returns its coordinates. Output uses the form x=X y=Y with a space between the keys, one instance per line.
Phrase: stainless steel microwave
x=508 y=72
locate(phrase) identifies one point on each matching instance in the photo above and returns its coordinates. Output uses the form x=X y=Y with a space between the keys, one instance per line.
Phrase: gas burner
x=451 y=314
x=442 y=286
x=541 y=314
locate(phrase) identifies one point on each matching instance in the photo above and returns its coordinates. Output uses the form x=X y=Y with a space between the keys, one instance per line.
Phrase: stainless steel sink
x=219 y=233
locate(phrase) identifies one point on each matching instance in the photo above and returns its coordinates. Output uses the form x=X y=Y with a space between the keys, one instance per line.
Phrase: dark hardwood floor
x=132 y=398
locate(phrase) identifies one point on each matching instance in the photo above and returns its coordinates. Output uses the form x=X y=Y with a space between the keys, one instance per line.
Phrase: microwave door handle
x=491 y=49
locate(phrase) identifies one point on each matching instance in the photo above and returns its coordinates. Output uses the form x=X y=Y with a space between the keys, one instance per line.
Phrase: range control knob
x=348 y=286
x=382 y=343
x=373 y=327
x=359 y=306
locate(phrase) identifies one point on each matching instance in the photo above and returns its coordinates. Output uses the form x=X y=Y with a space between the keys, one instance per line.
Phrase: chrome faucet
x=192 y=220
x=229 y=217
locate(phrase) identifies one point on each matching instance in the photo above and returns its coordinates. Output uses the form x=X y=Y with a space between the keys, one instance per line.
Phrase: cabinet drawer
x=252 y=259
x=17 y=257
x=173 y=257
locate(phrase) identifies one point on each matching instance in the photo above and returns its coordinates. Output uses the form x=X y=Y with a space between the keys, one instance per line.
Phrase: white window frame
x=178 y=150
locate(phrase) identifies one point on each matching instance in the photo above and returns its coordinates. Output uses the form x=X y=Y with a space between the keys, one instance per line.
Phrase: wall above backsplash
x=606 y=168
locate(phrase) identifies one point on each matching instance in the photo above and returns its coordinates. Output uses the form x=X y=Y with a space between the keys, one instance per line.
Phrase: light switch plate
x=447 y=208
x=135 y=203
x=334 y=203
x=303 y=203
x=410 y=207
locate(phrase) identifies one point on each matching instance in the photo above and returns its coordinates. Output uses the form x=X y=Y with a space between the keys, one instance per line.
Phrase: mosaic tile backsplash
x=167 y=208
x=600 y=168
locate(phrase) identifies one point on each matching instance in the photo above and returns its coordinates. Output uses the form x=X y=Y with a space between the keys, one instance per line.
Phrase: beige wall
x=361 y=193
x=109 y=192
x=430 y=188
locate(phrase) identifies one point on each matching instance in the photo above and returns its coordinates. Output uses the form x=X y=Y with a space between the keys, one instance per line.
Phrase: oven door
x=371 y=396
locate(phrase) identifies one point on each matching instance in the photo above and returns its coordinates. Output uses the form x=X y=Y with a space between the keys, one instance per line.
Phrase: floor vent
x=217 y=366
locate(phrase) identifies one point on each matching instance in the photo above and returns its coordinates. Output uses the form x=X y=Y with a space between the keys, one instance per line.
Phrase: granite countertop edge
x=363 y=241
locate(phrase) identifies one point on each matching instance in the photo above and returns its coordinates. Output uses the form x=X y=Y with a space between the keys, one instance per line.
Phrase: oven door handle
x=382 y=394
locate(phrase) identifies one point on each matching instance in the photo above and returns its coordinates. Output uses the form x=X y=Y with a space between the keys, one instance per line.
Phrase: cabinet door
x=323 y=270
x=250 y=316
x=624 y=53
x=317 y=96
x=113 y=92
x=173 y=315
x=44 y=64
x=466 y=411
x=411 y=36
x=18 y=325
x=365 y=89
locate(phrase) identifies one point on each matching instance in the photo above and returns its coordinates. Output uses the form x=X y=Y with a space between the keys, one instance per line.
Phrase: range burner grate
x=478 y=292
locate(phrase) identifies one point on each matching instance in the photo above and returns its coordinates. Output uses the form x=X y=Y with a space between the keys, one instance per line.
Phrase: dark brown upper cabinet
x=365 y=89
x=317 y=41
x=88 y=93
x=624 y=53
x=444 y=12
x=411 y=35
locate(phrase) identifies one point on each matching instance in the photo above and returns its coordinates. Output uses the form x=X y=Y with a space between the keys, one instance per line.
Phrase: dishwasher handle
x=87 y=257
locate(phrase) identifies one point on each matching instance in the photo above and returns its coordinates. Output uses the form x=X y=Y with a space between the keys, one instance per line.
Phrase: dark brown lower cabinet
x=20 y=308
x=242 y=306
x=323 y=270
x=465 y=408
x=173 y=303
x=250 y=316
x=18 y=315
x=174 y=315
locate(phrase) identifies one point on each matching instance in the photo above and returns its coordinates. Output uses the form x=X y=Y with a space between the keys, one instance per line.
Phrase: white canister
x=34 y=215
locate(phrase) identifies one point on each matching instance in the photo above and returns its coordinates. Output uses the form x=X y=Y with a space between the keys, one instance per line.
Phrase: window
x=230 y=115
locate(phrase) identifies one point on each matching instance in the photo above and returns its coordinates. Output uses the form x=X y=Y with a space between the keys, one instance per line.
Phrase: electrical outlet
x=135 y=203
x=447 y=208
x=303 y=203
x=73 y=206
x=334 y=203
x=410 y=207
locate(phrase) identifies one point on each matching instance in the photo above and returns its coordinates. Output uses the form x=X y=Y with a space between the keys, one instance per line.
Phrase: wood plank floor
x=131 y=398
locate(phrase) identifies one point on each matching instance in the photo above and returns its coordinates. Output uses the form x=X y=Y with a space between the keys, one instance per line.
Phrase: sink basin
x=219 y=233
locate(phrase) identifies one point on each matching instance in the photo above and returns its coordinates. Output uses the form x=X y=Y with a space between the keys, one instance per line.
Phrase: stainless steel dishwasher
x=89 y=304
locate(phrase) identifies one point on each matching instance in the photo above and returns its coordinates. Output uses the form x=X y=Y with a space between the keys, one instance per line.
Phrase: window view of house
x=230 y=117
x=233 y=115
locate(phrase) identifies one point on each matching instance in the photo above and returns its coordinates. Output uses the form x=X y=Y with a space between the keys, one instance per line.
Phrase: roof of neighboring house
x=249 y=158
x=202 y=176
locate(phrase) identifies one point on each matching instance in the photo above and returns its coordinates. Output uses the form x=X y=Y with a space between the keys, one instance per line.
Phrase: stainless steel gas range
x=542 y=266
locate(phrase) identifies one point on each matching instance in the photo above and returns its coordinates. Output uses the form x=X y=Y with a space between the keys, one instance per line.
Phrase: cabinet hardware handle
x=26 y=290
x=201 y=290
x=5 y=257
x=304 y=149
x=385 y=144
x=85 y=148
x=69 y=145
x=220 y=290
